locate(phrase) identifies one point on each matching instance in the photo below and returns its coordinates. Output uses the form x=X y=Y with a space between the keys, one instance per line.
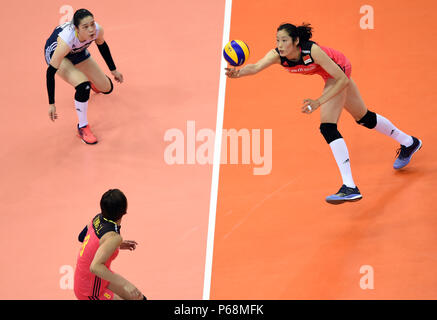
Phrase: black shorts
x=52 y=43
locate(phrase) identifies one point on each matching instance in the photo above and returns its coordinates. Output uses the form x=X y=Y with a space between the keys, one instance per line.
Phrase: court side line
x=217 y=155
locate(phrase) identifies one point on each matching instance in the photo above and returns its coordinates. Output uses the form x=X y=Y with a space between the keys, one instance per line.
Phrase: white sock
x=384 y=126
x=81 y=110
x=341 y=155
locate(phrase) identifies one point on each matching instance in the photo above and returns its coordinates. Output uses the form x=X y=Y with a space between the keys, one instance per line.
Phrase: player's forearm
x=103 y=272
x=106 y=54
x=248 y=70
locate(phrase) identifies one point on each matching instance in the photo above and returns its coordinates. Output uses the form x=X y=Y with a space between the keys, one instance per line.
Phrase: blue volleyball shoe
x=404 y=153
x=345 y=194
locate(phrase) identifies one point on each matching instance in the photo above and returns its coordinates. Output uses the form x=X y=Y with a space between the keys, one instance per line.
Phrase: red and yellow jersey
x=87 y=284
x=306 y=65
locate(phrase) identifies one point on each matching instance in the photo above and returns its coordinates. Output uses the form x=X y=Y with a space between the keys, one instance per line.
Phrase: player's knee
x=369 y=120
x=329 y=132
x=111 y=86
x=83 y=92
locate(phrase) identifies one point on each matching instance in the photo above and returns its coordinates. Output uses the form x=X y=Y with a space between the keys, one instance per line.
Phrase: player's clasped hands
x=232 y=72
x=309 y=106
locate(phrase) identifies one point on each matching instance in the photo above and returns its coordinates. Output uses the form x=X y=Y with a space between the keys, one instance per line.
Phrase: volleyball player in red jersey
x=297 y=54
x=93 y=278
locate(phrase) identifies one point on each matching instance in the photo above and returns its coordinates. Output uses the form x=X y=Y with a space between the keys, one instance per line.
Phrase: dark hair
x=113 y=204
x=79 y=15
x=303 y=32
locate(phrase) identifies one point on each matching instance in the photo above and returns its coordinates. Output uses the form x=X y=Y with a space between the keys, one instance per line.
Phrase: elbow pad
x=106 y=54
x=50 y=75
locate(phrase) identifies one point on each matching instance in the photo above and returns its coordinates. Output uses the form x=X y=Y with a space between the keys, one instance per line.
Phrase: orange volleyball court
x=275 y=236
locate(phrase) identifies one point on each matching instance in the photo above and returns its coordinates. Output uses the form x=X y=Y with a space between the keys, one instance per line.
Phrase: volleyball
x=236 y=52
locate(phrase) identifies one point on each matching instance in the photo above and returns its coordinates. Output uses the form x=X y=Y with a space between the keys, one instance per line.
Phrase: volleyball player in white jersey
x=67 y=56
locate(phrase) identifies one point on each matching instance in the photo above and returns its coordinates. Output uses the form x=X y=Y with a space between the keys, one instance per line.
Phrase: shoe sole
x=340 y=201
x=417 y=149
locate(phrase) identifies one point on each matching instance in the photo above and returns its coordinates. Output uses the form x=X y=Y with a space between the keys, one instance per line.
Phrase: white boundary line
x=217 y=155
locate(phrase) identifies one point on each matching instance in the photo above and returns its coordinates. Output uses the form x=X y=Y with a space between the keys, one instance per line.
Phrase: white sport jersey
x=68 y=34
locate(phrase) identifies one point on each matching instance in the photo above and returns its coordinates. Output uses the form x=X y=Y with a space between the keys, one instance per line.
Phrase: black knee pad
x=83 y=92
x=369 y=120
x=330 y=132
x=112 y=86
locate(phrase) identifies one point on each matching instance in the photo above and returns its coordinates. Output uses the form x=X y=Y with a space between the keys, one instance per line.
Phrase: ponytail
x=303 y=32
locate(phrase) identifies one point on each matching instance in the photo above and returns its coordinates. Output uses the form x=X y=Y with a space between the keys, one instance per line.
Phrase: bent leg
x=330 y=113
x=409 y=144
x=70 y=74
x=354 y=103
x=97 y=77
x=121 y=293
x=356 y=107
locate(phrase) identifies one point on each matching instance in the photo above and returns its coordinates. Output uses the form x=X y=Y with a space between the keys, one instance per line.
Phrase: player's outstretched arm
x=270 y=58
